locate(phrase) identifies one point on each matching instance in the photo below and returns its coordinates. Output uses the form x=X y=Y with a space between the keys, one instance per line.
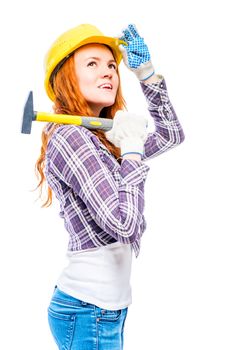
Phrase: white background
x=183 y=279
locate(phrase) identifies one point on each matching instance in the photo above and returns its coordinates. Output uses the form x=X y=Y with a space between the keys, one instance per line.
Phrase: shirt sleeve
x=117 y=209
x=168 y=131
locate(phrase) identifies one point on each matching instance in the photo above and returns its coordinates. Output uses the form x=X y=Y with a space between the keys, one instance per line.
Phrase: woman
x=99 y=177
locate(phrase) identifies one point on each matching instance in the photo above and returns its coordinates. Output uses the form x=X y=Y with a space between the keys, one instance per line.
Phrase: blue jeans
x=77 y=325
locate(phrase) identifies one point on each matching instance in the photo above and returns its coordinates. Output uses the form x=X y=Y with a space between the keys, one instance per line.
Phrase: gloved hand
x=136 y=55
x=129 y=132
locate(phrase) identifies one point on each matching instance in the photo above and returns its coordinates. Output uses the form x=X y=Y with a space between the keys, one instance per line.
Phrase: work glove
x=135 y=54
x=129 y=132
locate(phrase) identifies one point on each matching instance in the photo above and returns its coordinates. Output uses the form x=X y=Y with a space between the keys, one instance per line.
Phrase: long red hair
x=69 y=100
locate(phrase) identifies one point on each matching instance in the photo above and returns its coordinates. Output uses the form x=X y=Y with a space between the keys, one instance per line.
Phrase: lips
x=106 y=86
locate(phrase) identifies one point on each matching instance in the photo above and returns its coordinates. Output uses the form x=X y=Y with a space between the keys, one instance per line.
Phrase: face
x=96 y=72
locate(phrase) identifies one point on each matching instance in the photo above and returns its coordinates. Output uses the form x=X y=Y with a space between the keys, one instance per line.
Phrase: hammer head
x=28 y=115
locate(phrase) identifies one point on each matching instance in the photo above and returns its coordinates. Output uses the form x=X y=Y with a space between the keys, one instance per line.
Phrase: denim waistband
x=58 y=295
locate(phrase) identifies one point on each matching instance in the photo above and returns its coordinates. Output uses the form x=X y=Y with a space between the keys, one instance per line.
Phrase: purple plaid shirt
x=101 y=200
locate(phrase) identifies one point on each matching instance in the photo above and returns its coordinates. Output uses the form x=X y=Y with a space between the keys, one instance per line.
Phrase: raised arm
x=168 y=131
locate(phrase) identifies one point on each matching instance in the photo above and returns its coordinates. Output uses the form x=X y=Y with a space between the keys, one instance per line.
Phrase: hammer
x=89 y=122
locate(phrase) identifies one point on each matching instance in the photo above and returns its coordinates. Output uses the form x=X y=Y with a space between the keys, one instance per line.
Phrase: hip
x=76 y=324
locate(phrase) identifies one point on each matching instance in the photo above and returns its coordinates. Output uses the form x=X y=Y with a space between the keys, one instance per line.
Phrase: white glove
x=129 y=132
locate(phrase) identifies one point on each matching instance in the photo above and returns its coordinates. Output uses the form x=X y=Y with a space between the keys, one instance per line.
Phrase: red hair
x=69 y=100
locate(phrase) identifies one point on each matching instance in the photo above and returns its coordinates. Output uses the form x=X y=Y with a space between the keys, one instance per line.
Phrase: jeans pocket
x=62 y=327
x=110 y=315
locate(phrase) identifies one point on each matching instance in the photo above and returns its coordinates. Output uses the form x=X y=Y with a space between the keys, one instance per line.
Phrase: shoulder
x=68 y=131
x=73 y=135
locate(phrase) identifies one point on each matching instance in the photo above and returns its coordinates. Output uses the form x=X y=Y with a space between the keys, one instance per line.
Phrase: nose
x=106 y=72
x=107 y=75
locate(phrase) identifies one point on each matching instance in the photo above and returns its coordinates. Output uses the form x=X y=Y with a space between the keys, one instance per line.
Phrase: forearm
x=168 y=130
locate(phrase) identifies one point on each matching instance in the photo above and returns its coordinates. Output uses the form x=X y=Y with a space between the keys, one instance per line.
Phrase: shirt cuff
x=155 y=93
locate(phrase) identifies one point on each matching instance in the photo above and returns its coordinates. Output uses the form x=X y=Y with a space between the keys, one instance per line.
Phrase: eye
x=91 y=64
x=113 y=65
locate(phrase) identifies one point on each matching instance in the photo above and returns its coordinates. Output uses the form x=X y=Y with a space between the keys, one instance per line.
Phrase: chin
x=108 y=103
x=102 y=104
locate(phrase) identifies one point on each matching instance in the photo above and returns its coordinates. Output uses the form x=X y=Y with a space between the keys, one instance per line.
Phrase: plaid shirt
x=101 y=200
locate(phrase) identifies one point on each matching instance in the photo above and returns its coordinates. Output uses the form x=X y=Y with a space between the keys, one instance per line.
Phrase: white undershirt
x=100 y=276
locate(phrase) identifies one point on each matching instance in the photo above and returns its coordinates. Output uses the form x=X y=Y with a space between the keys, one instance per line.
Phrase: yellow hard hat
x=68 y=42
